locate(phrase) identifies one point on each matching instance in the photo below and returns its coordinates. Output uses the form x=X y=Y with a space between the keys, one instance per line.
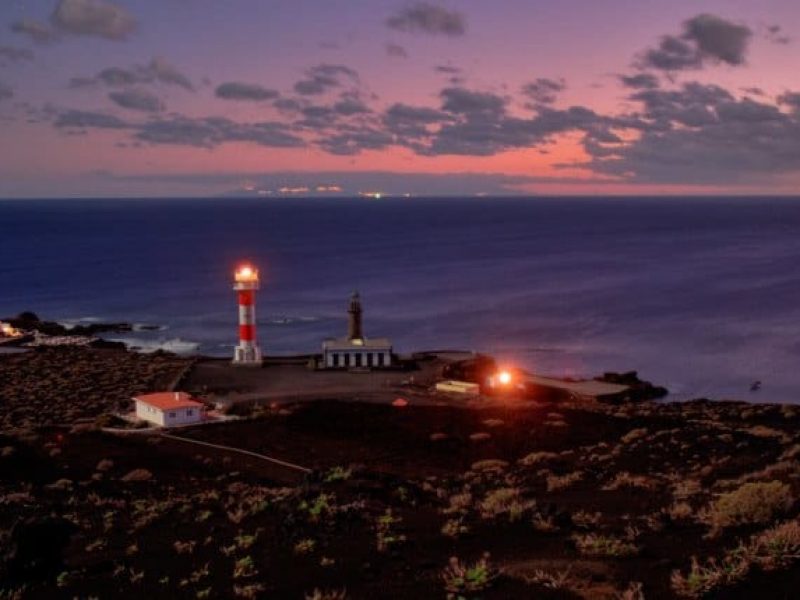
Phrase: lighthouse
x=354 y=329
x=247 y=353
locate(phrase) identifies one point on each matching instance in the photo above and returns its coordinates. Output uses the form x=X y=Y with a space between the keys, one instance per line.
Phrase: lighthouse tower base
x=247 y=356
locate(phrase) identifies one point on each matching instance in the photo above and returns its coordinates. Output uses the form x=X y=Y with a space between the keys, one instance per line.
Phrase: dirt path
x=276 y=461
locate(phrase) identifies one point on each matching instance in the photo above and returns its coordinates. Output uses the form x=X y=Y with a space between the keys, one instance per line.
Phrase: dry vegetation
x=619 y=502
x=64 y=385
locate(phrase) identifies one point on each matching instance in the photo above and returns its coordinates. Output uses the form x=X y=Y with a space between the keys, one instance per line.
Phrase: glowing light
x=400 y=403
x=7 y=330
x=246 y=273
x=504 y=377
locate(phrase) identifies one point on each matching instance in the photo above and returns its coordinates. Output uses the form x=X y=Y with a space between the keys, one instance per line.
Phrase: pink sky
x=136 y=104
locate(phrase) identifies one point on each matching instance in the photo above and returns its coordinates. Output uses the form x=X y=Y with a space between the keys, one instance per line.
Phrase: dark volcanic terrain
x=514 y=500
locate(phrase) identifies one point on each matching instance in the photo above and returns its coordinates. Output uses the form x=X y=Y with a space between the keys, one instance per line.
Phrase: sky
x=343 y=97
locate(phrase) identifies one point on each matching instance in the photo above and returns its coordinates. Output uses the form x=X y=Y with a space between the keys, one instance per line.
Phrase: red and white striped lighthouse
x=246 y=283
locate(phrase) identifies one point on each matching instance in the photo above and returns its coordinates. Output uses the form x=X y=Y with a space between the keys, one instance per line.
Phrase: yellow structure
x=452 y=386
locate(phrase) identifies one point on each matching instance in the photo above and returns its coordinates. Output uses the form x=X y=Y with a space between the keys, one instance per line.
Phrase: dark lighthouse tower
x=354 y=329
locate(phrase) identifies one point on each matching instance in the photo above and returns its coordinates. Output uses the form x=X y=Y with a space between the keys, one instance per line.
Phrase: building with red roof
x=169 y=408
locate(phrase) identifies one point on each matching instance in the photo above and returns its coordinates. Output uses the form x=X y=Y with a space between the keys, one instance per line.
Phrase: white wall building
x=374 y=353
x=169 y=408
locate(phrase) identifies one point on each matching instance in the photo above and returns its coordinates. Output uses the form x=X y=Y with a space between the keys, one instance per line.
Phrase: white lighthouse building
x=356 y=350
x=247 y=353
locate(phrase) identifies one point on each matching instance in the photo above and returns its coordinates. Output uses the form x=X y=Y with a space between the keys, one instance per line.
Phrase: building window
x=346 y=360
x=358 y=360
x=380 y=360
x=189 y=412
x=172 y=415
x=369 y=359
x=335 y=360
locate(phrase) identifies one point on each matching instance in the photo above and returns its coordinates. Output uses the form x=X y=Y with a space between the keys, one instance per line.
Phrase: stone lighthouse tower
x=354 y=329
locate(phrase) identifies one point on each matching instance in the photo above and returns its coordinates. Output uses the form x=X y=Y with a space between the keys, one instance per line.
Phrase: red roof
x=169 y=400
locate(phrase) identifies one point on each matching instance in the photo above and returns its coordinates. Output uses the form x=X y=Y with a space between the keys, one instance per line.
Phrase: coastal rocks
x=638 y=390
x=30 y=321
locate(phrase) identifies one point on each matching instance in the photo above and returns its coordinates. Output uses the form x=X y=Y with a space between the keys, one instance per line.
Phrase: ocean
x=701 y=295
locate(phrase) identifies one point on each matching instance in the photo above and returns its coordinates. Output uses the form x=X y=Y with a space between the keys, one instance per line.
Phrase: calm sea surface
x=701 y=295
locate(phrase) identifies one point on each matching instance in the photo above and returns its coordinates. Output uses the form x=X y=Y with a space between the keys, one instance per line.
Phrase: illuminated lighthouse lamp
x=245 y=283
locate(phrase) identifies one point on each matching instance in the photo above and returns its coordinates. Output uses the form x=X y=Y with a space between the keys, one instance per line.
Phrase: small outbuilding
x=451 y=386
x=168 y=409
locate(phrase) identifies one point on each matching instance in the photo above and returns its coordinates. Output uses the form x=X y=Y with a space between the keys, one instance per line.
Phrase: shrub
x=338 y=474
x=463 y=580
x=319 y=594
x=553 y=581
x=633 y=592
x=490 y=464
x=244 y=567
x=624 y=479
x=454 y=528
x=633 y=435
x=184 y=547
x=560 y=482
x=386 y=534
x=680 y=511
x=592 y=544
x=505 y=502
x=750 y=503
x=138 y=475
x=536 y=457
x=249 y=592
x=319 y=507
x=702 y=580
x=777 y=547
x=305 y=546
x=459 y=503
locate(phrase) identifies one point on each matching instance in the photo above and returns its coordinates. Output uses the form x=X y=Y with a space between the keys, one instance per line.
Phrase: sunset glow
x=371 y=99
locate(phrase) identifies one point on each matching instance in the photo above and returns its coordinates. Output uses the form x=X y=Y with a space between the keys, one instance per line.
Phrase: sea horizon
x=569 y=289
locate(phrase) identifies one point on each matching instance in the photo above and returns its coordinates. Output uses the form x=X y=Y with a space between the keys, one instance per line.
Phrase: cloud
x=423 y=17
x=13 y=54
x=161 y=70
x=98 y=18
x=212 y=131
x=157 y=70
x=349 y=140
x=672 y=54
x=321 y=78
x=774 y=33
x=234 y=90
x=137 y=99
x=640 y=81
x=5 y=92
x=543 y=90
x=351 y=105
x=705 y=39
x=469 y=102
x=790 y=99
x=37 y=31
x=79 y=119
x=718 y=39
x=396 y=51
x=702 y=134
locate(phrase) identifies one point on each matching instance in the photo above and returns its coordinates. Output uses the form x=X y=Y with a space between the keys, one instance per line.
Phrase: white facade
x=168 y=409
x=355 y=354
